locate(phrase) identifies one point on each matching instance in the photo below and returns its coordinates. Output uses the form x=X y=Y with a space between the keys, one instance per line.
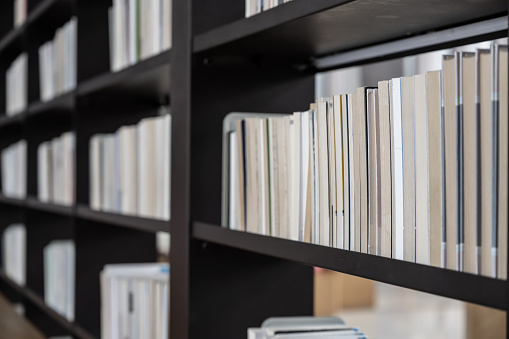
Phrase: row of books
x=130 y=169
x=138 y=29
x=415 y=169
x=55 y=170
x=304 y=327
x=134 y=301
x=17 y=85
x=20 y=12
x=59 y=268
x=257 y=6
x=57 y=62
x=14 y=253
x=14 y=170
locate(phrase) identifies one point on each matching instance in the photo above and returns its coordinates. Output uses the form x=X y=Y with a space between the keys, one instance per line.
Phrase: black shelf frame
x=429 y=279
x=221 y=62
x=129 y=221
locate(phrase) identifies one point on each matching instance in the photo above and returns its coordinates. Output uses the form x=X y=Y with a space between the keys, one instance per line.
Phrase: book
x=59 y=268
x=14 y=253
x=470 y=160
x=16 y=89
x=450 y=66
x=422 y=226
x=134 y=300
x=501 y=83
x=14 y=170
x=57 y=62
x=138 y=29
x=436 y=166
x=130 y=169
x=483 y=92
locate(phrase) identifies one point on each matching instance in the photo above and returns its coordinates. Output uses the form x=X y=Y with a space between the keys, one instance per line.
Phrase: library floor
x=14 y=326
x=402 y=313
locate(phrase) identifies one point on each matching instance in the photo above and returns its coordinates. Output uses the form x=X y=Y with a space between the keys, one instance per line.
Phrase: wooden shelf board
x=39 y=302
x=11 y=201
x=302 y=29
x=447 y=283
x=138 y=223
x=146 y=77
x=35 y=204
x=6 y=121
x=64 y=102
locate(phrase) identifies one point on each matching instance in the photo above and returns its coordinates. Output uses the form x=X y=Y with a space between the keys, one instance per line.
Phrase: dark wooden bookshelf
x=438 y=281
x=219 y=62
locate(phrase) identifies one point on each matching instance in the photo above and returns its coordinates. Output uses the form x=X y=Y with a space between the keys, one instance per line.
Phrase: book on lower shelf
x=14 y=253
x=59 y=276
x=257 y=6
x=138 y=29
x=134 y=301
x=55 y=170
x=16 y=89
x=14 y=170
x=130 y=169
x=414 y=169
x=304 y=327
x=57 y=62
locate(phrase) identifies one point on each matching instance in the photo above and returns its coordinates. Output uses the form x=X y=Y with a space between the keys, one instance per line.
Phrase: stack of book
x=14 y=163
x=55 y=170
x=138 y=29
x=304 y=328
x=257 y=6
x=134 y=301
x=20 y=12
x=14 y=253
x=415 y=169
x=16 y=85
x=57 y=62
x=130 y=169
x=59 y=268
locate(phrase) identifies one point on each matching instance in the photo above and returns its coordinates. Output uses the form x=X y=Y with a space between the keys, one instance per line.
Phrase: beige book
x=272 y=175
x=355 y=174
x=421 y=172
x=361 y=112
x=251 y=176
x=451 y=159
x=283 y=177
x=407 y=105
x=470 y=161
x=331 y=146
x=435 y=165
x=315 y=179
x=372 y=172
x=240 y=166
x=264 y=174
x=485 y=119
x=295 y=125
x=346 y=180
x=384 y=125
x=503 y=163
x=308 y=222
x=323 y=172
x=338 y=147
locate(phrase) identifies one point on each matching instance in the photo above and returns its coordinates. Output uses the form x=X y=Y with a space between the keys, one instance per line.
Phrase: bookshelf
x=222 y=281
